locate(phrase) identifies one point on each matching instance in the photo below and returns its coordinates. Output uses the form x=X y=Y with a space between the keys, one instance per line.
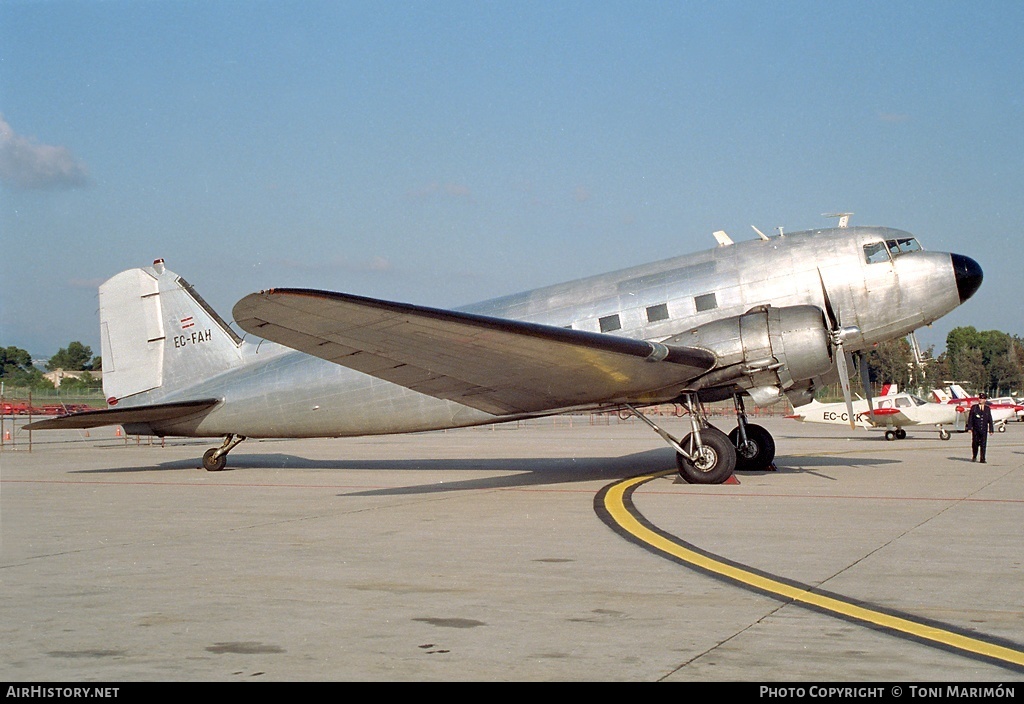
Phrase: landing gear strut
x=216 y=458
x=755 y=447
x=706 y=455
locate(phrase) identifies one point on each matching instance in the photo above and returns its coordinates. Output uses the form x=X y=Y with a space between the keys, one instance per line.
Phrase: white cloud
x=24 y=163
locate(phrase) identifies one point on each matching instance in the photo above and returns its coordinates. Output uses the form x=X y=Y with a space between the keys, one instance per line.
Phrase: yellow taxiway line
x=618 y=507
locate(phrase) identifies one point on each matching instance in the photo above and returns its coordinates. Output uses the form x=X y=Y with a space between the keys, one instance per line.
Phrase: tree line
x=988 y=360
x=17 y=369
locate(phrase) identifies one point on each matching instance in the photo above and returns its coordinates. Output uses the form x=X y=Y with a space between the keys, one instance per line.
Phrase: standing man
x=979 y=422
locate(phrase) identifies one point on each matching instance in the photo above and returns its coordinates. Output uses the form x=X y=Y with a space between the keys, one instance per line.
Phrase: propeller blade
x=844 y=381
x=838 y=334
x=833 y=319
x=865 y=379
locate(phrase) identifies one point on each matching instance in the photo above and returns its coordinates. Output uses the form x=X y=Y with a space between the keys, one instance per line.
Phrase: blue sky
x=447 y=152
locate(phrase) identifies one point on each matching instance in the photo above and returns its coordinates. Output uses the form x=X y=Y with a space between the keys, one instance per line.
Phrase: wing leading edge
x=496 y=365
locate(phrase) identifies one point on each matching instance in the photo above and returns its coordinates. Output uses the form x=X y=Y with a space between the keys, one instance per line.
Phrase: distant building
x=60 y=375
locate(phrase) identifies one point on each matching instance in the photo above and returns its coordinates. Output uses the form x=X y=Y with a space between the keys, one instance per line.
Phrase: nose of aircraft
x=968 y=275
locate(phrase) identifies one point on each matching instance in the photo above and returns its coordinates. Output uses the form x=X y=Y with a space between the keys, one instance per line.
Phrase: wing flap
x=493 y=364
x=120 y=416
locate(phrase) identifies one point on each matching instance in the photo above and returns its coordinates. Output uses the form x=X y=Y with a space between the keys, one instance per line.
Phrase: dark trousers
x=979 y=441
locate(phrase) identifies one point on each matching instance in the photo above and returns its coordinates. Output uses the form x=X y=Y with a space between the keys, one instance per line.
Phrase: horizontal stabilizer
x=493 y=364
x=120 y=416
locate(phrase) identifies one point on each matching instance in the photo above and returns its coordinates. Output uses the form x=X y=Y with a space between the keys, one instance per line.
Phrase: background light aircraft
x=892 y=410
x=1009 y=401
x=763 y=320
x=1002 y=409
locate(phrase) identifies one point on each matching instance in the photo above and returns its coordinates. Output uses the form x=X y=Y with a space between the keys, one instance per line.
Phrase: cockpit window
x=882 y=251
x=876 y=252
x=903 y=244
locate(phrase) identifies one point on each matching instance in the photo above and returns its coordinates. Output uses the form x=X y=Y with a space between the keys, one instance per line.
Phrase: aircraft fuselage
x=279 y=392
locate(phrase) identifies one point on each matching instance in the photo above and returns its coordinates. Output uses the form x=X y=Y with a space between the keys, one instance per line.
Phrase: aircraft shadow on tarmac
x=518 y=472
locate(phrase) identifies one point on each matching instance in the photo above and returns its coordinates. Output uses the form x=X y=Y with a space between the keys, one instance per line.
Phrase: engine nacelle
x=766 y=351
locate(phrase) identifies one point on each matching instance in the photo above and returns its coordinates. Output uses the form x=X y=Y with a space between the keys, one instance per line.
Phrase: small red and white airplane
x=892 y=411
x=954 y=395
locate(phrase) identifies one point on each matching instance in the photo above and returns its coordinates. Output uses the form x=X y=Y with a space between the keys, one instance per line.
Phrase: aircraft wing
x=492 y=364
x=890 y=416
x=120 y=416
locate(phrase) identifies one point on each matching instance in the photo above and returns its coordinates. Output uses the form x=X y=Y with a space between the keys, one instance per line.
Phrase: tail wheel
x=757 y=453
x=212 y=464
x=714 y=462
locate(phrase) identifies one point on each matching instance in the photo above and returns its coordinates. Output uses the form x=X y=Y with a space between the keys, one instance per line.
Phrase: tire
x=214 y=465
x=716 y=462
x=759 y=451
x=890 y=434
x=944 y=435
x=901 y=434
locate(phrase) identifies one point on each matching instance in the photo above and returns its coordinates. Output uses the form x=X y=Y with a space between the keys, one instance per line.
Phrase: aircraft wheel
x=1002 y=428
x=890 y=434
x=715 y=462
x=211 y=464
x=944 y=435
x=758 y=452
x=901 y=434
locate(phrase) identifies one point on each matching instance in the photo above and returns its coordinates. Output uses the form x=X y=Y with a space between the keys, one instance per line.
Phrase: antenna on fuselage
x=844 y=218
x=760 y=234
x=723 y=239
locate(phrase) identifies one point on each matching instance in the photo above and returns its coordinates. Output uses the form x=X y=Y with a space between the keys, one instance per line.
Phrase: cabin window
x=876 y=252
x=705 y=302
x=658 y=312
x=610 y=323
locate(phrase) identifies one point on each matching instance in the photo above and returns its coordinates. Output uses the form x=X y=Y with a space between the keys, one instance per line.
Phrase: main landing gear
x=216 y=458
x=709 y=456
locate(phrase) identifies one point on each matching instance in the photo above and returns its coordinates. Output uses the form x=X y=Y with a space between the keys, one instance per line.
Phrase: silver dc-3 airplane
x=764 y=319
x=893 y=411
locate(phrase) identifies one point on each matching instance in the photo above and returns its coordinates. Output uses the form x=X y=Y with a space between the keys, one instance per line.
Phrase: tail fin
x=958 y=391
x=940 y=395
x=158 y=335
